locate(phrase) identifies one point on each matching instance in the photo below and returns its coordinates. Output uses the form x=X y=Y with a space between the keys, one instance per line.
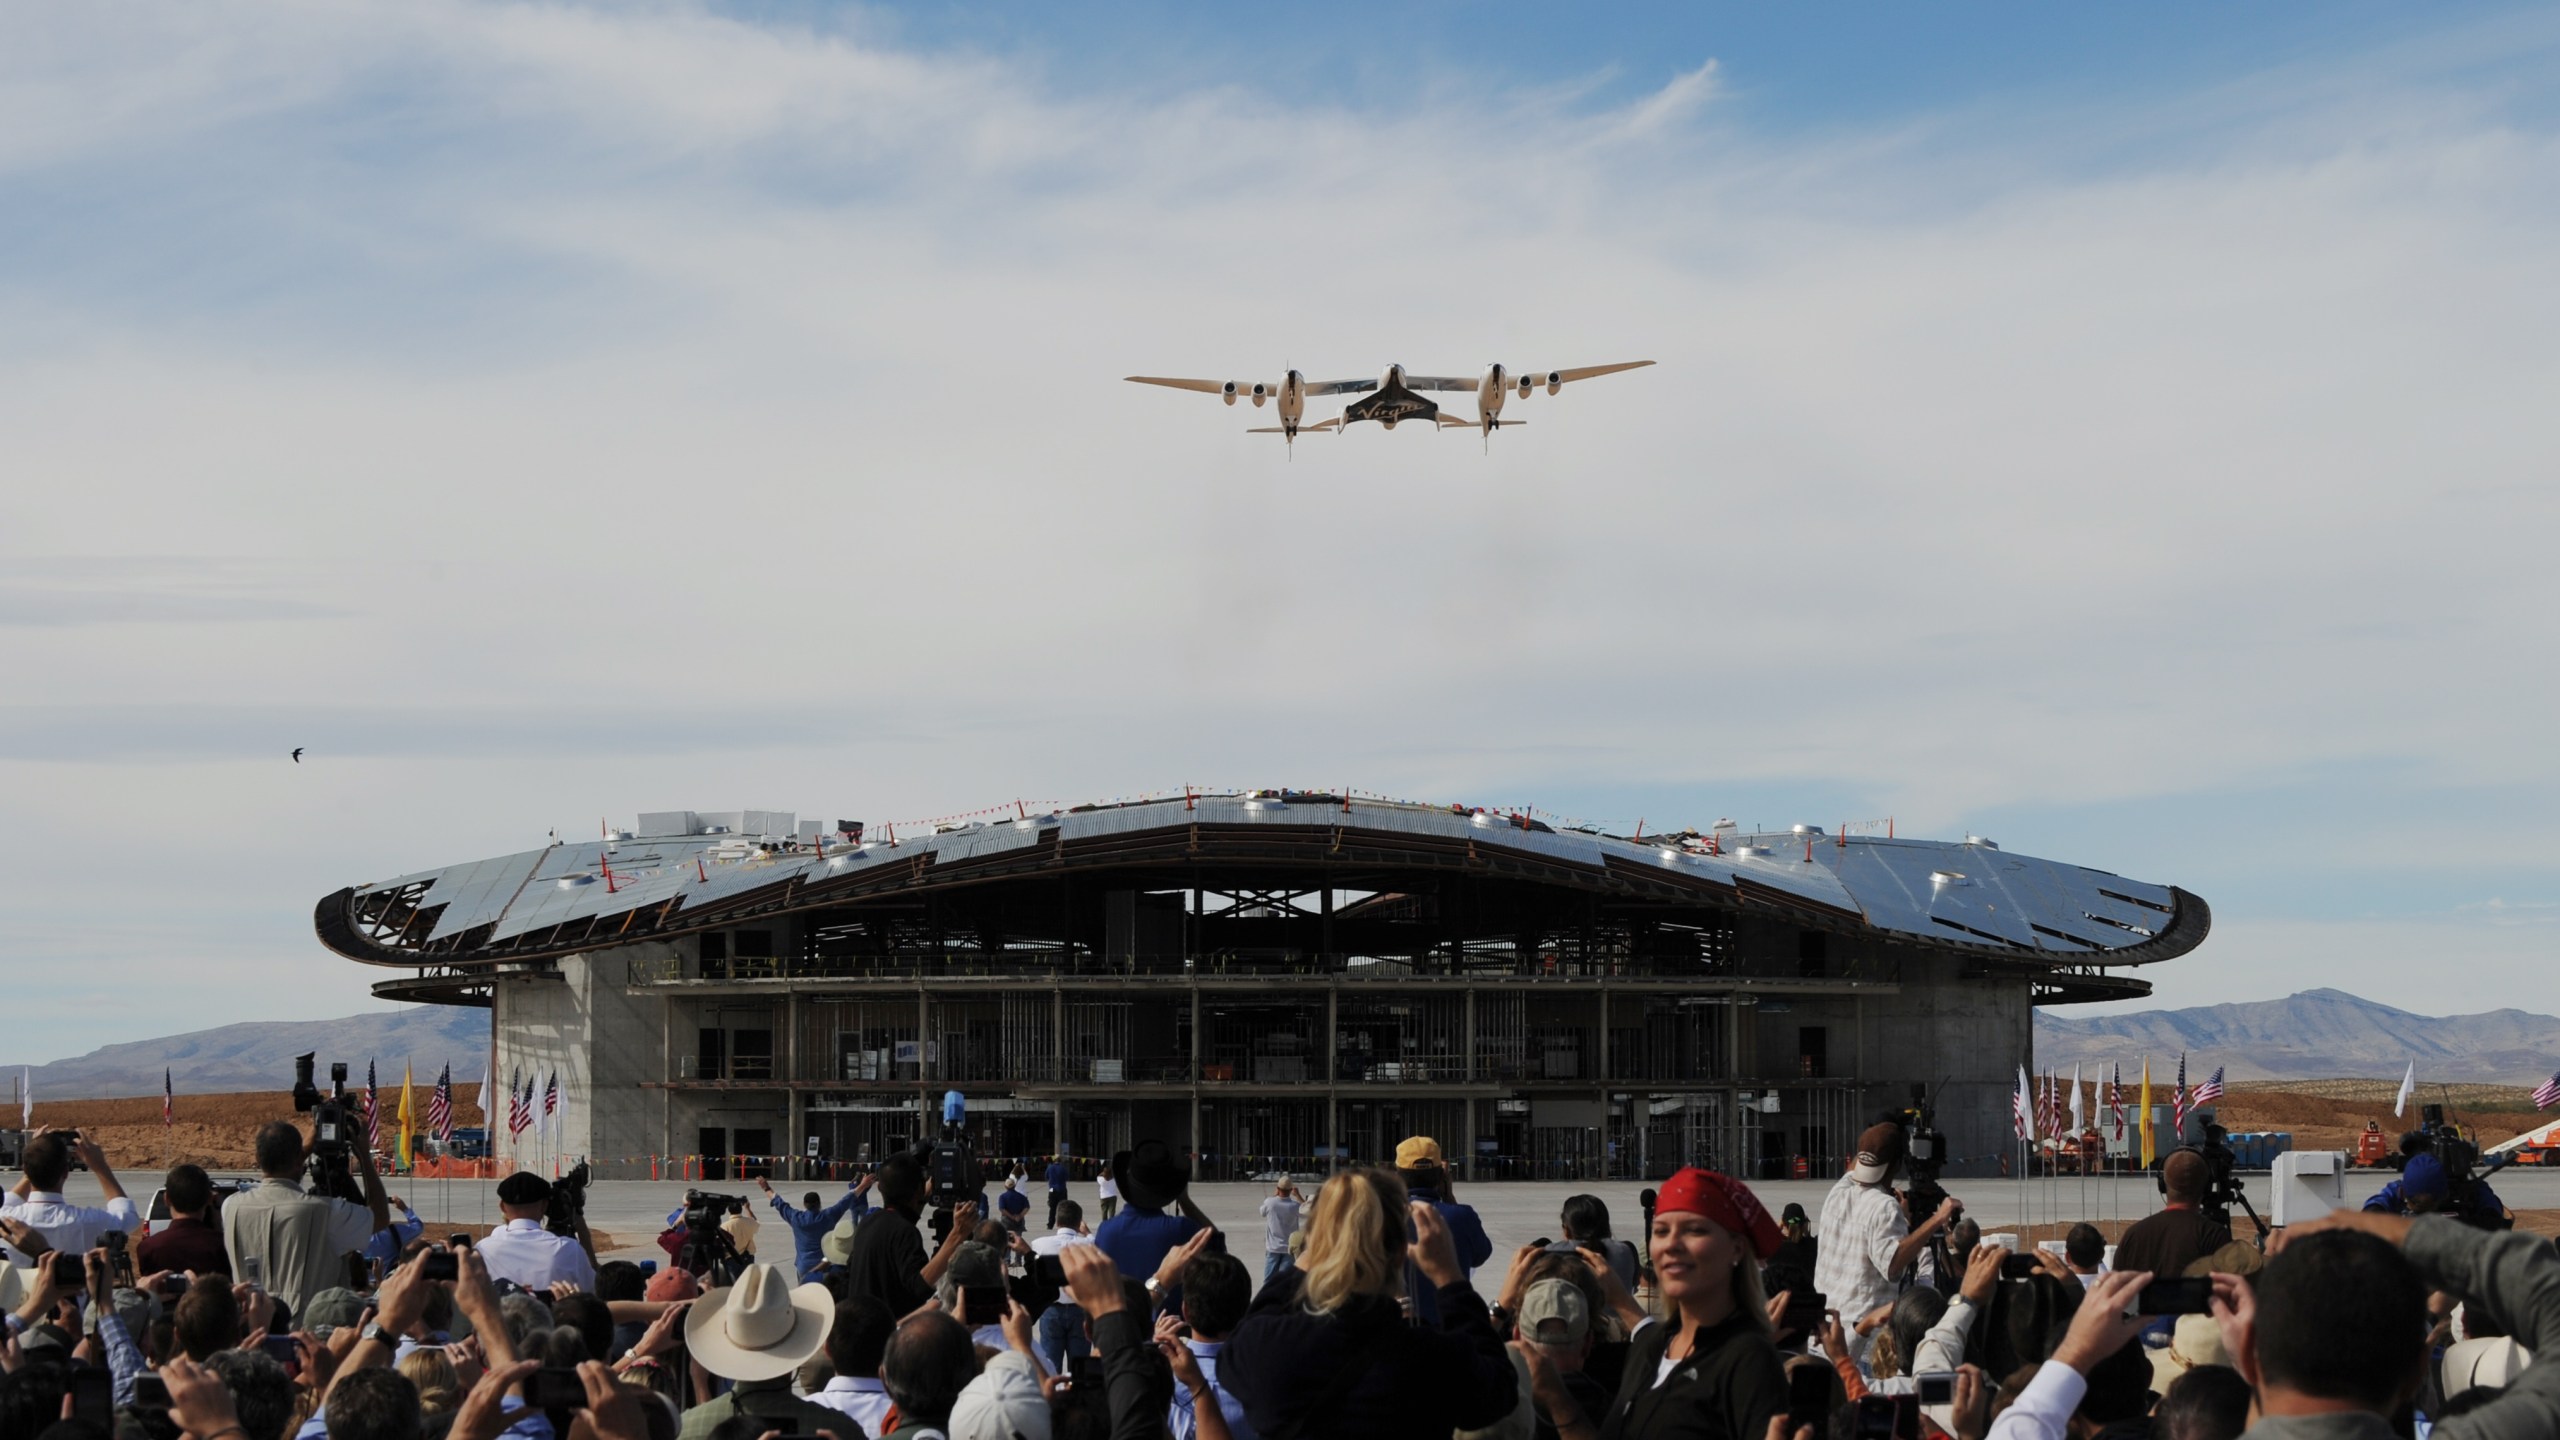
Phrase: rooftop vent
x=1808 y=829
x=572 y=882
x=1749 y=852
x=1948 y=877
x=1983 y=841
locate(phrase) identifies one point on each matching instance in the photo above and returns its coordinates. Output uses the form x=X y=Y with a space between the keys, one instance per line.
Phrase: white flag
x=27 y=1099
x=2408 y=1084
x=2077 y=1124
x=2025 y=1107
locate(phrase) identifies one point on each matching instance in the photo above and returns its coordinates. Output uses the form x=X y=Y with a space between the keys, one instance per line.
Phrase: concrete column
x=1197 y=1148
x=1604 y=1043
x=667 y=1095
x=1332 y=1100
x=796 y=1147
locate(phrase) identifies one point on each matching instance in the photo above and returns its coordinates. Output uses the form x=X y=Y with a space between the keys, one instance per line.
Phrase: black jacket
x=1283 y=1359
x=886 y=1261
x=1726 y=1390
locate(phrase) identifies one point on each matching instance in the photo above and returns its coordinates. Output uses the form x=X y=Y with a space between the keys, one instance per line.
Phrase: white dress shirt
x=71 y=1229
x=1060 y=1239
x=533 y=1257
x=859 y=1396
x=2042 y=1411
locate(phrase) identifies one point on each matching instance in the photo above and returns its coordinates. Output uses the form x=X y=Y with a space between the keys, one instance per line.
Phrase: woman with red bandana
x=1711 y=1371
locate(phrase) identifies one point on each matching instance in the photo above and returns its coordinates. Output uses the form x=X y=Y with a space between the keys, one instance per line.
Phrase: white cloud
x=648 y=364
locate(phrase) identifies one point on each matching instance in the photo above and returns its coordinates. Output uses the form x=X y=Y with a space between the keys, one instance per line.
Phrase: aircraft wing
x=1462 y=383
x=1205 y=387
x=1586 y=372
x=1341 y=387
x=1307 y=429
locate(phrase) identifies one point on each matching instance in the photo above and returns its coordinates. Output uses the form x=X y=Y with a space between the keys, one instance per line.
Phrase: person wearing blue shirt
x=810 y=1222
x=2423 y=1188
x=1426 y=1178
x=1153 y=1182
x=1057 y=1178
x=386 y=1245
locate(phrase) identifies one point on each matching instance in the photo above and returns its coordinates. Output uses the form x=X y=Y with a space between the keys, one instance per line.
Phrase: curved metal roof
x=1968 y=898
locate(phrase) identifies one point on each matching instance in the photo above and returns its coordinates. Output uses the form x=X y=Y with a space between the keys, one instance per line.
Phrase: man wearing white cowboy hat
x=756 y=1333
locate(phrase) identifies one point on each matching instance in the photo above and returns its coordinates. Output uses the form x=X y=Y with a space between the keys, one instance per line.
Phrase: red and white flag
x=2547 y=1094
x=2115 y=1098
x=2208 y=1092
x=440 y=1107
x=372 y=1110
x=2022 y=1116
x=168 y=1099
x=2178 y=1099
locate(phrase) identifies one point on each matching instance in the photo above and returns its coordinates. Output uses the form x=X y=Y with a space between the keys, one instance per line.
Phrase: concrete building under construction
x=1272 y=979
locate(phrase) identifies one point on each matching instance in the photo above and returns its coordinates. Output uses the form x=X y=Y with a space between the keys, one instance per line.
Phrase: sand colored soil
x=2331 y=1114
x=215 y=1131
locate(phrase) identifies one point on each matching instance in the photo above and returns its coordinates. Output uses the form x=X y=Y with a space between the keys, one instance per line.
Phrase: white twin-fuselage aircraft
x=1393 y=397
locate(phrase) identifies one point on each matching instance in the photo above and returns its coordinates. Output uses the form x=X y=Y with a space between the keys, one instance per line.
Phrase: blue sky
x=2123 y=433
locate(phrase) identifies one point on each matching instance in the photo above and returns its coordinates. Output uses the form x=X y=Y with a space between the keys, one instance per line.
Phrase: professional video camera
x=333 y=1128
x=2459 y=1154
x=1924 y=1158
x=950 y=1170
x=706 y=1249
x=569 y=1202
x=2222 y=1188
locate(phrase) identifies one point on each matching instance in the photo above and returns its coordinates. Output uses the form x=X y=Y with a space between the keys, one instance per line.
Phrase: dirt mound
x=215 y=1131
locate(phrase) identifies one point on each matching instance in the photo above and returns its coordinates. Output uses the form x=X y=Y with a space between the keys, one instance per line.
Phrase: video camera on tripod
x=2467 y=1199
x=333 y=1128
x=706 y=1249
x=2222 y=1188
x=950 y=1168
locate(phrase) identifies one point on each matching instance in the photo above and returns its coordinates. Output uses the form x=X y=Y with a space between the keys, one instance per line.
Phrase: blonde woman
x=1325 y=1350
x=439 y=1387
x=1711 y=1370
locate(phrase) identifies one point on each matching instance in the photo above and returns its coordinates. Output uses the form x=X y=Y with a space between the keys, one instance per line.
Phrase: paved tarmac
x=1514 y=1212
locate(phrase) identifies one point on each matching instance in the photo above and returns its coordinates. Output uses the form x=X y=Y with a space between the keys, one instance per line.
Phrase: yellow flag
x=2146 y=1112
x=405 y=1114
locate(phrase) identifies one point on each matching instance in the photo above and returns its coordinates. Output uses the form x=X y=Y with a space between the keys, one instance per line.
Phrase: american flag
x=2178 y=1103
x=440 y=1107
x=2208 y=1092
x=515 y=1107
x=372 y=1109
x=168 y=1099
x=2547 y=1094
x=550 y=1097
x=2018 y=1118
x=2048 y=1108
x=2115 y=1098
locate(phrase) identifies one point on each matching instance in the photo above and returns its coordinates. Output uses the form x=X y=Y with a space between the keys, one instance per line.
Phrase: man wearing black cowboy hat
x=1154 y=1181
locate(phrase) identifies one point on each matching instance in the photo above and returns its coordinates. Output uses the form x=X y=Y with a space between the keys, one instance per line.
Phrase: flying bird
x=297 y=754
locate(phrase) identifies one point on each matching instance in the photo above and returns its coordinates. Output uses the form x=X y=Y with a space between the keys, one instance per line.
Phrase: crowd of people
x=905 y=1312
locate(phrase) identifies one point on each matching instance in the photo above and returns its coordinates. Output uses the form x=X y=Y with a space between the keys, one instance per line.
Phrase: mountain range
x=2315 y=1035
x=258 y=1055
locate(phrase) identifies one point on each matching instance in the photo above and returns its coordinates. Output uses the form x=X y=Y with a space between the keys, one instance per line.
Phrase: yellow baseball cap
x=1416 y=1152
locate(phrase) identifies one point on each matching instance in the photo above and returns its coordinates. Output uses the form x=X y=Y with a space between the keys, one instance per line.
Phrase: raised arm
x=95 y=1157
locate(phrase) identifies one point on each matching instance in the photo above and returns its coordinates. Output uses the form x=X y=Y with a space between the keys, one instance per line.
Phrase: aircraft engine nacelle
x=1555 y=382
x=1228 y=393
x=1261 y=392
x=1527 y=384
